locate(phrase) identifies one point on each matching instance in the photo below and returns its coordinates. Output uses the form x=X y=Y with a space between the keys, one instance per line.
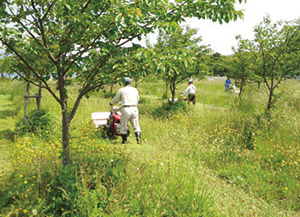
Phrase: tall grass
x=221 y=157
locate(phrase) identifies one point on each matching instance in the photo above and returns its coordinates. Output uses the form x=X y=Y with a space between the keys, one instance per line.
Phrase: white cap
x=127 y=80
x=190 y=80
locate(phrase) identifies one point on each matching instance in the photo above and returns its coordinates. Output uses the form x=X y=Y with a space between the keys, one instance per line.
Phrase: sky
x=222 y=37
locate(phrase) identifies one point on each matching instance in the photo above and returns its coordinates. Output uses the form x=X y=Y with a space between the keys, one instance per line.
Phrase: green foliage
x=37 y=122
x=179 y=56
x=275 y=53
x=109 y=95
x=5 y=66
x=169 y=109
x=241 y=65
x=219 y=64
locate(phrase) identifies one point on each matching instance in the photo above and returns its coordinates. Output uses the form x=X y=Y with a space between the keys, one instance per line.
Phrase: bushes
x=169 y=109
x=37 y=122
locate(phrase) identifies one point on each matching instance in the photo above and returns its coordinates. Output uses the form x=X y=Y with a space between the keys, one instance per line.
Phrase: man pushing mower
x=128 y=96
x=191 y=91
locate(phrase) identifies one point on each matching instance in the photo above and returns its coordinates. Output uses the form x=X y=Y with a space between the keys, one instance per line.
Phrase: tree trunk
x=111 y=88
x=39 y=97
x=136 y=82
x=2 y=75
x=242 y=86
x=172 y=87
x=270 y=100
x=65 y=119
x=65 y=128
x=258 y=85
x=65 y=135
x=165 y=95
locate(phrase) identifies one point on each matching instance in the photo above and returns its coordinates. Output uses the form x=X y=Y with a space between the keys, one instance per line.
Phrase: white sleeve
x=117 y=98
x=185 y=91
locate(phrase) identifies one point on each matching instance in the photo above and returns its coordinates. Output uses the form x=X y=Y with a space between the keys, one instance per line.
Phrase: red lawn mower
x=110 y=122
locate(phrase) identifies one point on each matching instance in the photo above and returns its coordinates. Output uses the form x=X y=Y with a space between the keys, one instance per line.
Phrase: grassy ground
x=219 y=158
x=6 y=129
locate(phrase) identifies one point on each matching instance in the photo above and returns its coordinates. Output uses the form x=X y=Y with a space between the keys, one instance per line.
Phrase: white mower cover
x=234 y=89
x=100 y=118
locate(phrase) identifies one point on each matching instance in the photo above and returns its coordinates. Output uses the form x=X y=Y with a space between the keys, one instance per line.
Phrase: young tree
x=80 y=37
x=176 y=53
x=276 y=48
x=136 y=64
x=241 y=68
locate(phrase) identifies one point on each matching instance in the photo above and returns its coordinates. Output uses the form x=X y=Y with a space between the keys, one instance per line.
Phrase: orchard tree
x=176 y=53
x=136 y=64
x=201 y=54
x=81 y=37
x=276 y=53
x=241 y=67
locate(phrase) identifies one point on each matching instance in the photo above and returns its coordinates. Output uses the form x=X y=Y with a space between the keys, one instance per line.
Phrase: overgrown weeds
x=166 y=175
x=169 y=109
x=38 y=122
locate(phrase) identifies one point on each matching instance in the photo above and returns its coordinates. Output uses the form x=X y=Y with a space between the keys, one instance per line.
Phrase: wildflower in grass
x=25 y=182
x=21 y=176
x=25 y=211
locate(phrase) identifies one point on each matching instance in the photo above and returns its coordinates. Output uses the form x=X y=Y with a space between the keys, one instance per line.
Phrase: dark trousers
x=192 y=98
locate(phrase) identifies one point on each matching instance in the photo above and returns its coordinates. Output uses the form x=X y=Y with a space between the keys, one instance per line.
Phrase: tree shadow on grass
x=7 y=134
x=6 y=113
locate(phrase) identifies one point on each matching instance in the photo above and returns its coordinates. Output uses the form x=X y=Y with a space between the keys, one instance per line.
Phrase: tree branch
x=77 y=55
x=30 y=68
x=49 y=9
x=40 y=26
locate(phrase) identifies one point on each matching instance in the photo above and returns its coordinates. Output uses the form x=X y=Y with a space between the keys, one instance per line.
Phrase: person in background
x=128 y=96
x=228 y=83
x=191 y=91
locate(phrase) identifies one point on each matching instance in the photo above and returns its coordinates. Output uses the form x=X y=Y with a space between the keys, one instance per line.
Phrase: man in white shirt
x=128 y=96
x=191 y=91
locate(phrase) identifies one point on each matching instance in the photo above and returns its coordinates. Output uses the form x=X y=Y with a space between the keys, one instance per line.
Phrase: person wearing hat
x=128 y=96
x=191 y=91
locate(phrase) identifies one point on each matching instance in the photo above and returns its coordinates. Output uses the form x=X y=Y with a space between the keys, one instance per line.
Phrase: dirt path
x=6 y=132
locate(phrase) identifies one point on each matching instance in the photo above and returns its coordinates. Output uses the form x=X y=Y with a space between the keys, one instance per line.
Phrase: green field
x=221 y=157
